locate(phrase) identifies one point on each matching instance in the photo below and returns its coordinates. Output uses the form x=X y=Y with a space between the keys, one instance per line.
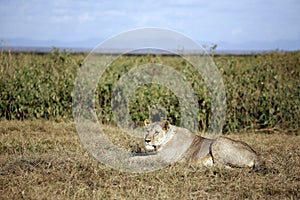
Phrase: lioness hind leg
x=228 y=152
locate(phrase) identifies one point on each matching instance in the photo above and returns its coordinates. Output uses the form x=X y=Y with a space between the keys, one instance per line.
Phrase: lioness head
x=156 y=134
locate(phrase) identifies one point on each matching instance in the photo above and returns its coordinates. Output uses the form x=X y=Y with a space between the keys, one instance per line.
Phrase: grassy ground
x=45 y=160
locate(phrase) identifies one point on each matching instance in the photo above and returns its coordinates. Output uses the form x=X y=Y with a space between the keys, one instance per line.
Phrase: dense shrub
x=37 y=85
x=263 y=91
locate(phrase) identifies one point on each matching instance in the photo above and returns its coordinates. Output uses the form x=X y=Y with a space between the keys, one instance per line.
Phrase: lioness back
x=233 y=153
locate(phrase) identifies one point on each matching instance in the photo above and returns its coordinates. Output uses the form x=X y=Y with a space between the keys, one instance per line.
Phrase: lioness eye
x=156 y=133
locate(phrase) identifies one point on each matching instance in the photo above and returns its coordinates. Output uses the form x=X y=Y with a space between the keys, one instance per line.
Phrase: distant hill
x=288 y=45
x=23 y=44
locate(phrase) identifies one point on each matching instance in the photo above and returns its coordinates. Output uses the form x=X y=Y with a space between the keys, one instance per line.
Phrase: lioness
x=167 y=139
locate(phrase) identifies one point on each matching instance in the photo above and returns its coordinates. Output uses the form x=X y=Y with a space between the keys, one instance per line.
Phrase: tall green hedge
x=262 y=91
x=37 y=85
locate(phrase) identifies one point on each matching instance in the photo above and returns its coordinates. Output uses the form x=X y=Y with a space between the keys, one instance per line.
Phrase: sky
x=231 y=24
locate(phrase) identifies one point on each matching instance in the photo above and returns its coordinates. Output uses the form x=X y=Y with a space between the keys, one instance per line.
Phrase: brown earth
x=45 y=160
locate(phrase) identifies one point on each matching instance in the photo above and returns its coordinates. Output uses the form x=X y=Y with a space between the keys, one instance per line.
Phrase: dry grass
x=44 y=160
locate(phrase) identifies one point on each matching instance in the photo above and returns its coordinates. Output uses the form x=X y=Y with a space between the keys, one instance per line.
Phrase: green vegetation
x=37 y=85
x=263 y=91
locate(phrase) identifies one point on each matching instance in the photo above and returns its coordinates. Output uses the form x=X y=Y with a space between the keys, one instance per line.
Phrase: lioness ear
x=147 y=122
x=165 y=125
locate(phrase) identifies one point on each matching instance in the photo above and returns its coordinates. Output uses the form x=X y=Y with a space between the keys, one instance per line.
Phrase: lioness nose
x=147 y=140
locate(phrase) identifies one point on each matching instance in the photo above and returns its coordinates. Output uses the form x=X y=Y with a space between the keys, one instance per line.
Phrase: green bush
x=37 y=85
x=263 y=91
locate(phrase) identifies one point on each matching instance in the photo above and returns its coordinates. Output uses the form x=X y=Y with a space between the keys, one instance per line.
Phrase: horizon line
x=49 y=49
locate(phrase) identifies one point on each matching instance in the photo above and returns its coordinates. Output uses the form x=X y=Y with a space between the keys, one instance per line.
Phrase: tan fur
x=168 y=140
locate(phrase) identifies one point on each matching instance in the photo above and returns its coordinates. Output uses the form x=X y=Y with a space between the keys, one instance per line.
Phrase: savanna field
x=41 y=156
